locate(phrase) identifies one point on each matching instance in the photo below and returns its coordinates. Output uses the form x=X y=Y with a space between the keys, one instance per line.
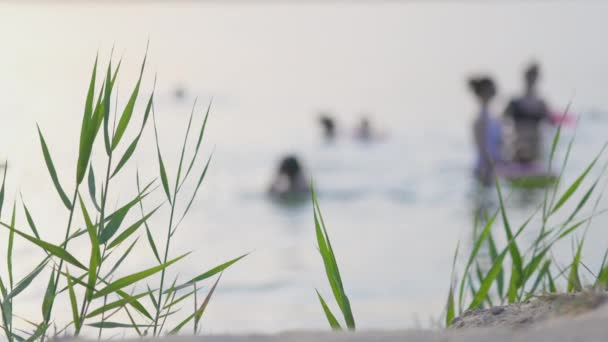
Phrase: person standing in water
x=526 y=113
x=486 y=130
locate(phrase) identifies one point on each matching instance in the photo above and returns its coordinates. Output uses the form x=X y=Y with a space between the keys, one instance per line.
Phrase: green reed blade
x=49 y=297
x=49 y=247
x=117 y=217
x=131 y=229
x=198 y=145
x=574 y=281
x=574 y=186
x=51 y=168
x=331 y=319
x=9 y=255
x=174 y=302
x=482 y=293
x=210 y=273
x=2 y=191
x=73 y=302
x=485 y=233
x=179 y=327
x=331 y=266
x=161 y=164
x=133 y=278
x=198 y=185
x=123 y=257
x=92 y=188
x=95 y=255
x=201 y=309
x=127 y=113
x=513 y=249
x=131 y=149
x=116 y=304
x=114 y=325
x=30 y=220
x=26 y=281
x=151 y=242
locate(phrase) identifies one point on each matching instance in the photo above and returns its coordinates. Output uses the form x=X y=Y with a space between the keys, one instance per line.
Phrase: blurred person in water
x=486 y=130
x=526 y=112
x=366 y=132
x=328 y=123
x=290 y=179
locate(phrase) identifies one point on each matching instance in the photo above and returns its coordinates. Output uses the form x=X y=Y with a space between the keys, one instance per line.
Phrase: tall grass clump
x=99 y=294
x=332 y=271
x=518 y=271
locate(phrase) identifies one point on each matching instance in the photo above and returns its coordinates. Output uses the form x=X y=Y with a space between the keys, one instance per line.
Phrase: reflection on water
x=396 y=208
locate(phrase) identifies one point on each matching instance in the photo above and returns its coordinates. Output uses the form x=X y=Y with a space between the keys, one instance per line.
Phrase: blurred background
x=395 y=206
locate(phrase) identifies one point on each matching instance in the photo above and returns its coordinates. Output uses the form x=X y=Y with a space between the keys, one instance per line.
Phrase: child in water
x=290 y=179
x=486 y=130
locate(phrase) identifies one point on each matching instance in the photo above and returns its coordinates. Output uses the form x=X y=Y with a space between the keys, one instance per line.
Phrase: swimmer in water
x=486 y=130
x=364 y=131
x=329 y=126
x=290 y=179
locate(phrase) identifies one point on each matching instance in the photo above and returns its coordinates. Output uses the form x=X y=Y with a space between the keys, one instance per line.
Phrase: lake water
x=395 y=209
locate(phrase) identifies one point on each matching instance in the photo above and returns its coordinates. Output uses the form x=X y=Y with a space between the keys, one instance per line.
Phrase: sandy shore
x=580 y=318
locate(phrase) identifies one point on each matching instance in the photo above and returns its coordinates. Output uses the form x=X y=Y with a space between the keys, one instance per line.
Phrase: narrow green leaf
x=49 y=297
x=161 y=164
x=113 y=325
x=122 y=258
x=133 y=278
x=152 y=243
x=211 y=272
x=574 y=186
x=73 y=302
x=128 y=111
x=95 y=255
x=2 y=188
x=51 y=168
x=87 y=136
x=131 y=229
x=331 y=319
x=199 y=141
x=9 y=256
x=450 y=308
x=116 y=304
x=25 y=282
x=201 y=309
x=331 y=265
x=52 y=249
x=30 y=221
x=198 y=185
x=117 y=217
x=182 y=324
x=513 y=250
x=485 y=233
x=92 y=188
x=574 y=281
x=148 y=232
x=131 y=149
x=484 y=288
x=174 y=302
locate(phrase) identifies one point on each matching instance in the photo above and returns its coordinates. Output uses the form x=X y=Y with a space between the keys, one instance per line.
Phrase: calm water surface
x=395 y=209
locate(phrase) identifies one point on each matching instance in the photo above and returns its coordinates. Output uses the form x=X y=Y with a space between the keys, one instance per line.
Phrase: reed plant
x=99 y=294
x=519 y=270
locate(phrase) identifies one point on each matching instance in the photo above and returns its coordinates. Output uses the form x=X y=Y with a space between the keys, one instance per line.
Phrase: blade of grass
x=51 y=168
x=52 y=249
x=133 y=278
x=331 y=319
